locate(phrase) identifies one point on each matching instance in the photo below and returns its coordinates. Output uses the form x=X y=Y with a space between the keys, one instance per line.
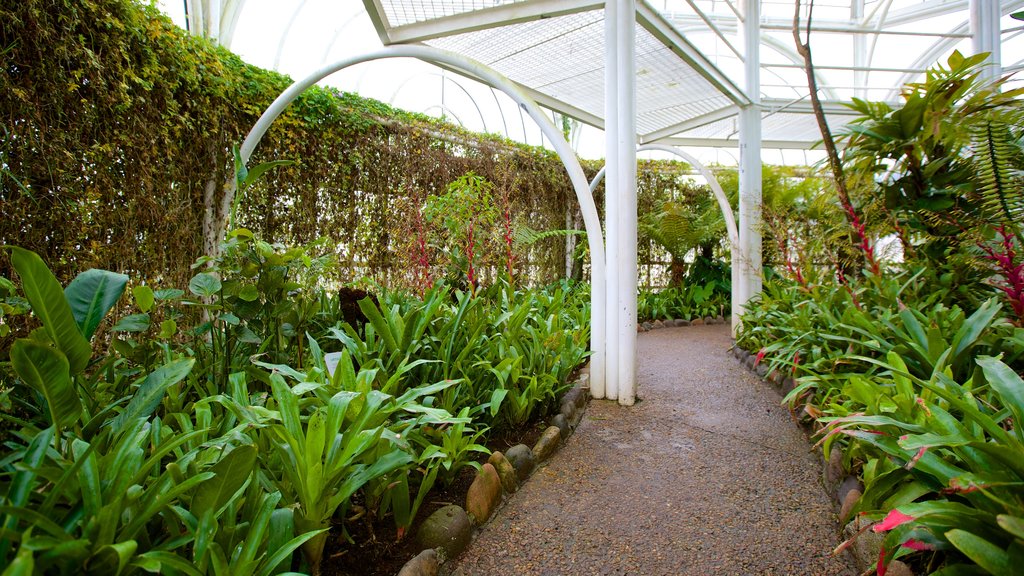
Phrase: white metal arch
x=723 y=205
x=591 y=221
x=444 y=108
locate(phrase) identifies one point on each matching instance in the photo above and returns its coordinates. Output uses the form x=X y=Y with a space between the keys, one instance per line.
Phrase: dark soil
x=377 y=551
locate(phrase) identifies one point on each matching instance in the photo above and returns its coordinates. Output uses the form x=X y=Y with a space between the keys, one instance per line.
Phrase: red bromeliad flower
x=760 y=356
x=893 y=519
x=915 y=544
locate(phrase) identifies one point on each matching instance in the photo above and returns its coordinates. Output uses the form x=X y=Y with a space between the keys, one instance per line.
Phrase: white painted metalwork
x=572 y=165
x=985 y=36
x=214 y=19
x=748 y=278
x=723 y=204
x=621 y=108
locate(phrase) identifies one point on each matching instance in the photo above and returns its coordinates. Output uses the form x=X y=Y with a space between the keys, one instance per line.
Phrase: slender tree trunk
x=211 y=221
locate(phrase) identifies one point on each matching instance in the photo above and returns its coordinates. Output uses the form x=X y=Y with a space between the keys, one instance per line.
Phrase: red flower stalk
x=1010 y=267
x=784 y=250
x=506 y=212
x=865 y=244
x=421 y=254
x=760 y=356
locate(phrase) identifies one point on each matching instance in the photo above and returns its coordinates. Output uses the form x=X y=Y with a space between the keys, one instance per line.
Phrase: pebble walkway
x=707 y=474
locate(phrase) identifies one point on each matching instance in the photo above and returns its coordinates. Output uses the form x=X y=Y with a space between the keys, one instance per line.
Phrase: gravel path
x=706 y=475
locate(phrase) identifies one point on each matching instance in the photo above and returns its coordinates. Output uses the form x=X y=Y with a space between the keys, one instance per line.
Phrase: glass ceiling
x=689 y=57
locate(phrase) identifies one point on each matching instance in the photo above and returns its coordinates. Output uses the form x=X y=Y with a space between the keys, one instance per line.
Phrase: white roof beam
x=486 y=18
x=734 y=143
x=545 y=101
x=692 y=123
x=652 y=21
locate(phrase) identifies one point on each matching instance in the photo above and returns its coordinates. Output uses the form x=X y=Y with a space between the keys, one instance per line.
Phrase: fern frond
x=997 y=161
x=523 y=235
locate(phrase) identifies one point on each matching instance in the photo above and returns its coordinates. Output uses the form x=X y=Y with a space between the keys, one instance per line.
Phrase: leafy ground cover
x=204 y=432
x=912 y=366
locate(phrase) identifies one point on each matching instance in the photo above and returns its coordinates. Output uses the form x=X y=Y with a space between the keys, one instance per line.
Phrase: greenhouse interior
x=529 y=287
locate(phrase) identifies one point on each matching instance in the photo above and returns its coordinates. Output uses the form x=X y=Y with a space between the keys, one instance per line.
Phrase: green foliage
x=686 y=302
x=915 y=372
x=227 y=447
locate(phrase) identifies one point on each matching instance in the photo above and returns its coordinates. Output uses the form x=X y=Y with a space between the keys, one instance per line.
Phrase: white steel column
x=620 y=198
x=986 y=36
x=750 y=163
x=860 y=52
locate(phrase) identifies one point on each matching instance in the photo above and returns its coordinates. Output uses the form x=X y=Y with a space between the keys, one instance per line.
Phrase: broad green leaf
x=168 y=328
x=91 y=295
x=1012 y=524
x=144 y=297
x=373 y=314
x=149 y=395
x=246 y=179
x=984 y=553
x=168 y=294
x=282 y=554
x=974 y=326
x=132 y=323
x=158 y=562
x=231 y=474
x=113 y=558
x=282 y=531
x=204 y=284
x=257 y=530
x=23 y=564
x=1007 y=383
x=88 y=477
x=249 y=293
x=51 y=307
x=46 y=370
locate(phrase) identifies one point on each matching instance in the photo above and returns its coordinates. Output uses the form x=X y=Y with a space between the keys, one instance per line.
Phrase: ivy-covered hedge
x=114 y=122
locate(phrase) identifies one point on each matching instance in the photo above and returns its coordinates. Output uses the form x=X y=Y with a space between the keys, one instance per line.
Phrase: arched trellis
x=591 y=220
x=723 y=205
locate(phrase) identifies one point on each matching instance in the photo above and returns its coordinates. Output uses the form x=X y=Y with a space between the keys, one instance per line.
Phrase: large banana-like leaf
x=91 y=295
x=51 y=307
x=45 y=369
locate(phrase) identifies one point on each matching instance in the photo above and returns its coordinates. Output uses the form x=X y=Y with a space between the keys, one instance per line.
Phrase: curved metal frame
x=723 y=205
x=592 y=223
x=444 y=107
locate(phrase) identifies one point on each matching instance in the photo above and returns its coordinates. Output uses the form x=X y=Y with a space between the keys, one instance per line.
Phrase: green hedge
x=113 y=121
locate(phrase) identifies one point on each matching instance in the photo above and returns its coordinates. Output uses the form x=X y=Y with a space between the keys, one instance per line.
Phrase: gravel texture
x=706 y=475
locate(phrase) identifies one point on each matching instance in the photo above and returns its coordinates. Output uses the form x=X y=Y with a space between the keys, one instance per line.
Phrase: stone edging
x=449 y=530
x=845 y=489
x=655 y=324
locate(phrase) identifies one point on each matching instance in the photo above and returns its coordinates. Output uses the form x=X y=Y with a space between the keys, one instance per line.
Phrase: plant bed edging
x=649 y=325
x=449 y=530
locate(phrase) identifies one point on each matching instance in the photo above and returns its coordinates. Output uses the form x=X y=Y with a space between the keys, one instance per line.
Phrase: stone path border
x=449 y=530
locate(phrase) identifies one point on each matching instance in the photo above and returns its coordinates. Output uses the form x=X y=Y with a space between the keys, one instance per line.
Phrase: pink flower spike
x=915 y=544
x=892 y=520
